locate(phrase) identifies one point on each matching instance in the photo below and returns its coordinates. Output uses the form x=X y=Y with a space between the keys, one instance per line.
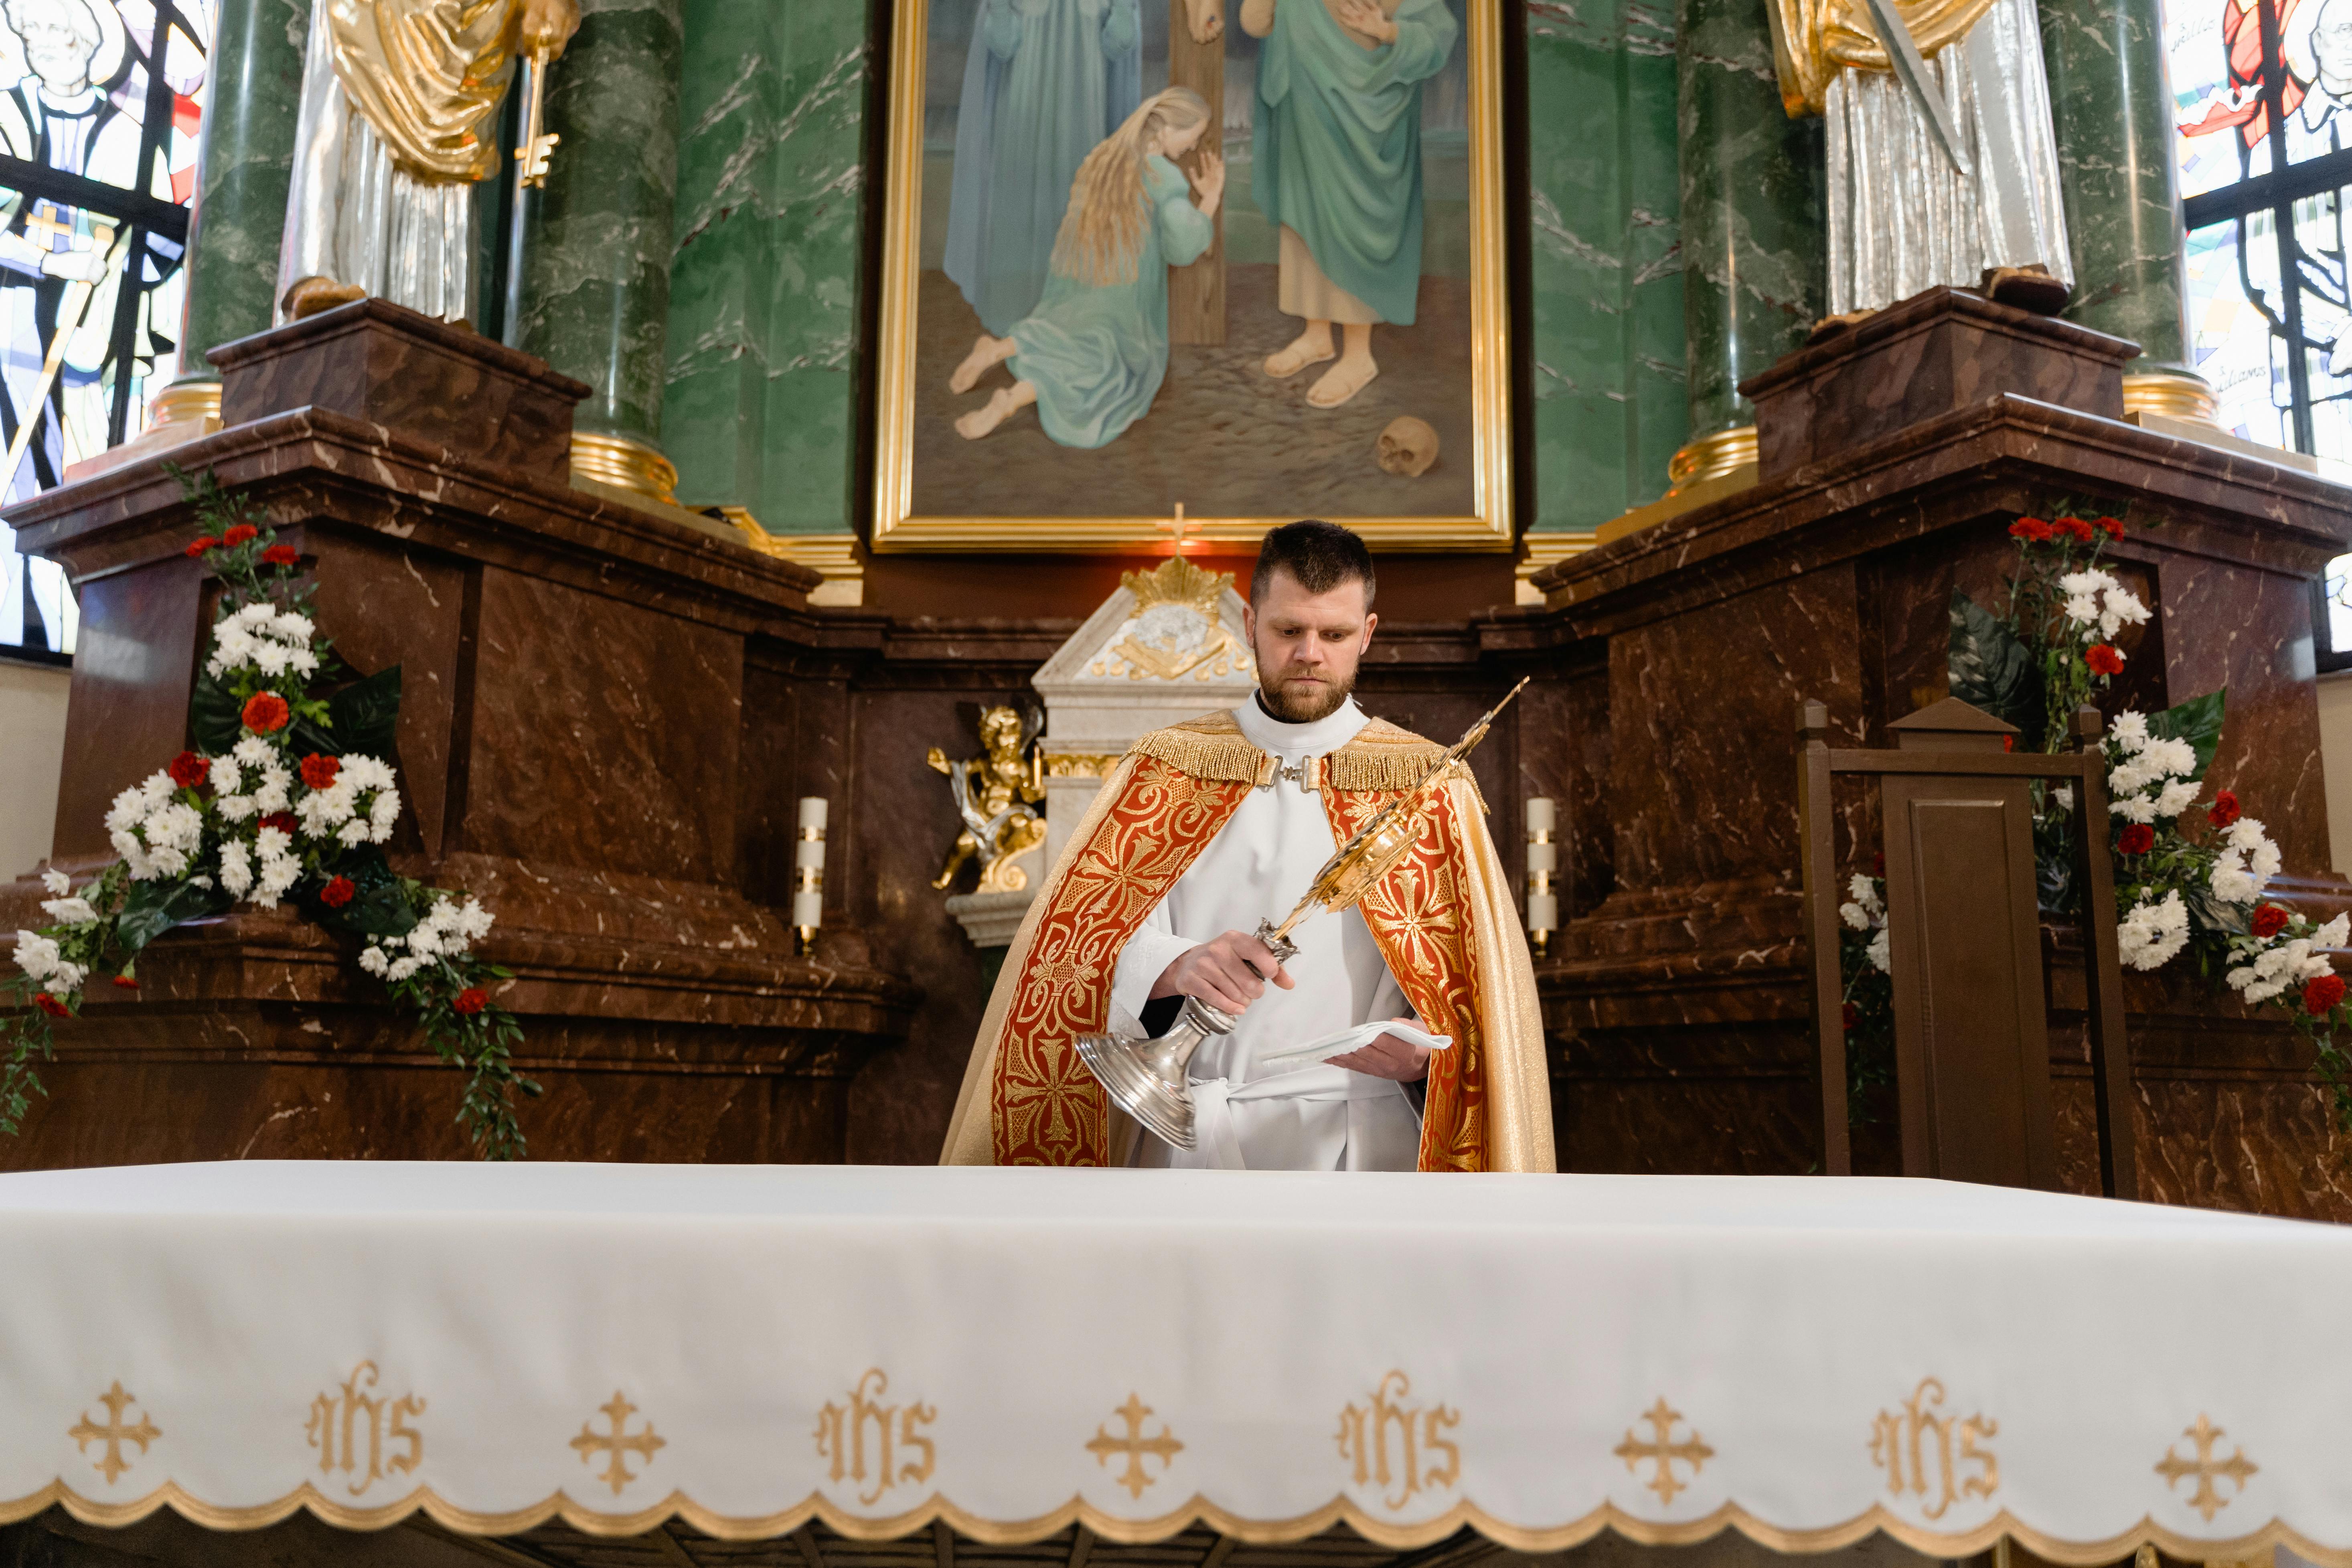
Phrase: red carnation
x=2136 y=838
x=198 y=547
x=1878 y=864
x=2320 y=996
x=2224 y=809
x=2076 y=529
x=2104 y=659
x=281 y=820
x=281 y=555
x=2030 y=528
x=2112 y=527
x=319 y=771
x=2269 y=921
x=473 y=999
x=1853 y=1016
x=189 y=770
x=338 y=893
x=266 y=713
x=126 y=983
x=238 y=534
x=51 y=1006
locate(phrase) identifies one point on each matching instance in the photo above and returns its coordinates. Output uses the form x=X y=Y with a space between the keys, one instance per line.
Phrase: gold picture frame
x=1486 y=524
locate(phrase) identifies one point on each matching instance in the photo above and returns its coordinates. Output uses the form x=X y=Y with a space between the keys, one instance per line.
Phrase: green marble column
x=763 y=326
x=1754 y=268
x=596 y=250
x=2112 y=111
x=1606 y=277
x=243 y=166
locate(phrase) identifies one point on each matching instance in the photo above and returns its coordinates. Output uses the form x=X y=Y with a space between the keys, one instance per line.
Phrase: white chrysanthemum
x=291 y=626
x=353 y=834
x=402 y=968
x=235 y=807
x=2082 y=609
x=2333 y=933
x=2130 y=729
x=228 y=777
x=2134 y=807
x=321 y=810
x=253 y=750
x=365 y=773
x=275 y=791
x=2078 y=584
x=2153 y=933
x=2246 y=833
x=269 y=659
x=37 y=955
x=373 y=960
x=383 y=814
x=475 y=922
x=70 y=911
x=1853 y=915
x=255 y=615
x=236 y=867
x=57 y=881
x=2230 y=880
x=65 y=979
x=302 y=661
x=2178 y=795
x=1881 y=950
x=2170 y=756
x=2118 y=608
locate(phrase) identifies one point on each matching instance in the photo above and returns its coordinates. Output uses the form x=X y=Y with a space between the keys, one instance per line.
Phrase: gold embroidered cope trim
x=1212 y=747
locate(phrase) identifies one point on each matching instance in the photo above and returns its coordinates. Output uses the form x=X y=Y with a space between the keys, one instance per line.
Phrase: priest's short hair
x=1320 y=556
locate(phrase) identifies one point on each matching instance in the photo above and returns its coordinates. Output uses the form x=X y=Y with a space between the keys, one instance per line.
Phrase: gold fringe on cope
x=1380 y=757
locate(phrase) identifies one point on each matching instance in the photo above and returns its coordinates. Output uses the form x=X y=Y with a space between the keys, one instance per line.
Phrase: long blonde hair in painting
x=1102 y=231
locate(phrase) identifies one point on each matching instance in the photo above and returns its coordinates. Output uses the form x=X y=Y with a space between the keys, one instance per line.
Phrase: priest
x=1207 y=828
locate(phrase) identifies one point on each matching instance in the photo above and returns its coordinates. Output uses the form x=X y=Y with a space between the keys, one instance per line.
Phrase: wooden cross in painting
x=1196 y=59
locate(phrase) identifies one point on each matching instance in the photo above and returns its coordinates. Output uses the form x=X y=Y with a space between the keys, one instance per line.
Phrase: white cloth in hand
x=1356 y=1039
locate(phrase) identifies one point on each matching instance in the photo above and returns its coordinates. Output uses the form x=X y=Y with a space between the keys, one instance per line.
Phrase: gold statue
x=398 y=121
x=993 y=793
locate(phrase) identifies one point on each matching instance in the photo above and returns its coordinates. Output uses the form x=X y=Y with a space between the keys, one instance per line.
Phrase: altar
x=738 y=1354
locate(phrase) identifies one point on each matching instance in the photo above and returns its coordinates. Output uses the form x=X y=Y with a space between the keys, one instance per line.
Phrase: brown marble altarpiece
x=610 y=714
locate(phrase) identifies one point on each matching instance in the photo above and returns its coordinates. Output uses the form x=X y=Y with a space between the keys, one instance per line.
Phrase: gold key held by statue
x=537 y=141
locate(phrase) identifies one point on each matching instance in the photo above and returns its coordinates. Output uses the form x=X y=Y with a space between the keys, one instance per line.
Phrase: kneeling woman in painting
x=1092 y=355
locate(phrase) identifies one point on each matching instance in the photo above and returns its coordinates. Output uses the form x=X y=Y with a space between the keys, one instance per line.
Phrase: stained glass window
x=101 y=101
x=2263 y=94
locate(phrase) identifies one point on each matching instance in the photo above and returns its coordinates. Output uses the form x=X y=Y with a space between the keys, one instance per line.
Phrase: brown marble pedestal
x=1893 y=460
x=574 y=747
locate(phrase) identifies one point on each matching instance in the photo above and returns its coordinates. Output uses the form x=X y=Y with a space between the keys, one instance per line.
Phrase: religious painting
x=1192 y=267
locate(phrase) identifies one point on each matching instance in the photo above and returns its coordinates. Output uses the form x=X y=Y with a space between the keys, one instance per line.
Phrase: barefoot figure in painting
x=1092 y=355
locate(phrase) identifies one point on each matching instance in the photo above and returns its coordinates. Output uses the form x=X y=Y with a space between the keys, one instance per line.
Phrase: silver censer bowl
x=1146 y=1076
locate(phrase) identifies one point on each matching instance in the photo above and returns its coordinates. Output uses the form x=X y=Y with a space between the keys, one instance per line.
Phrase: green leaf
x=153 y=908
x=367 y=713
x=214 y=716
x=2196 y=721
x=1992 y=669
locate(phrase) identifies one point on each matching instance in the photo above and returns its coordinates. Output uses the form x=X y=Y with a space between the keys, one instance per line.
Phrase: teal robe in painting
x=1336 y=151
x=1045 y=83
x=1098 y=353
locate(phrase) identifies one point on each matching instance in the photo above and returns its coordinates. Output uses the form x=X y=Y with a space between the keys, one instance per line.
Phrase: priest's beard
x=1301 y=700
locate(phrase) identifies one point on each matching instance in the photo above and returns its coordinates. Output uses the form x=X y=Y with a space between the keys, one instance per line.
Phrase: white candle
x=1541 y=815
x=808 y=865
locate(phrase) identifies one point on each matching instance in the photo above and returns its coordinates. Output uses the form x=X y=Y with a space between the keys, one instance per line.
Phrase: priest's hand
x=1389 y=1057
x=1228 y=973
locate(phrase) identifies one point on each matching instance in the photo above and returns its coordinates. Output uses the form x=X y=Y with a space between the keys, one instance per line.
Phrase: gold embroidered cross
x=617 y=1446
x=2207 y=1501
x=1663 y=1451
x=1134 y=1445
x=114 y=1434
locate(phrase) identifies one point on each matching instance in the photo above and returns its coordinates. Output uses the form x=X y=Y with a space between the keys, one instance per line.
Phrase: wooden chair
x=1971 y=1039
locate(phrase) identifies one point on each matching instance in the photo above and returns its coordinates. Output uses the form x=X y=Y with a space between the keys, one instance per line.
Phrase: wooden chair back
x=1972 y=1037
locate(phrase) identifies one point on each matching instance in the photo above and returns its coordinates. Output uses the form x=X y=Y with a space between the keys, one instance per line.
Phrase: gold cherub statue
x=993 y=793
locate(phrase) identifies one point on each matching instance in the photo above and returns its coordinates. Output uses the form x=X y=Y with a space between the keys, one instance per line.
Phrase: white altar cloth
x=1802 y=1359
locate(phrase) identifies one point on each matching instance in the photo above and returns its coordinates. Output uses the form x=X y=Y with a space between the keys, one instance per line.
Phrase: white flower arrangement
x=2097 y=606
x=2154 y=931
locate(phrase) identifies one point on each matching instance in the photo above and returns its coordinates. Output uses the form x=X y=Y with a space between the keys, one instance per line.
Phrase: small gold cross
x=1662 y=1417
x=1176 y=526
x=616 y=1447
x=1135 y=1444
x=114 y=1433
x=2207 y=1501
